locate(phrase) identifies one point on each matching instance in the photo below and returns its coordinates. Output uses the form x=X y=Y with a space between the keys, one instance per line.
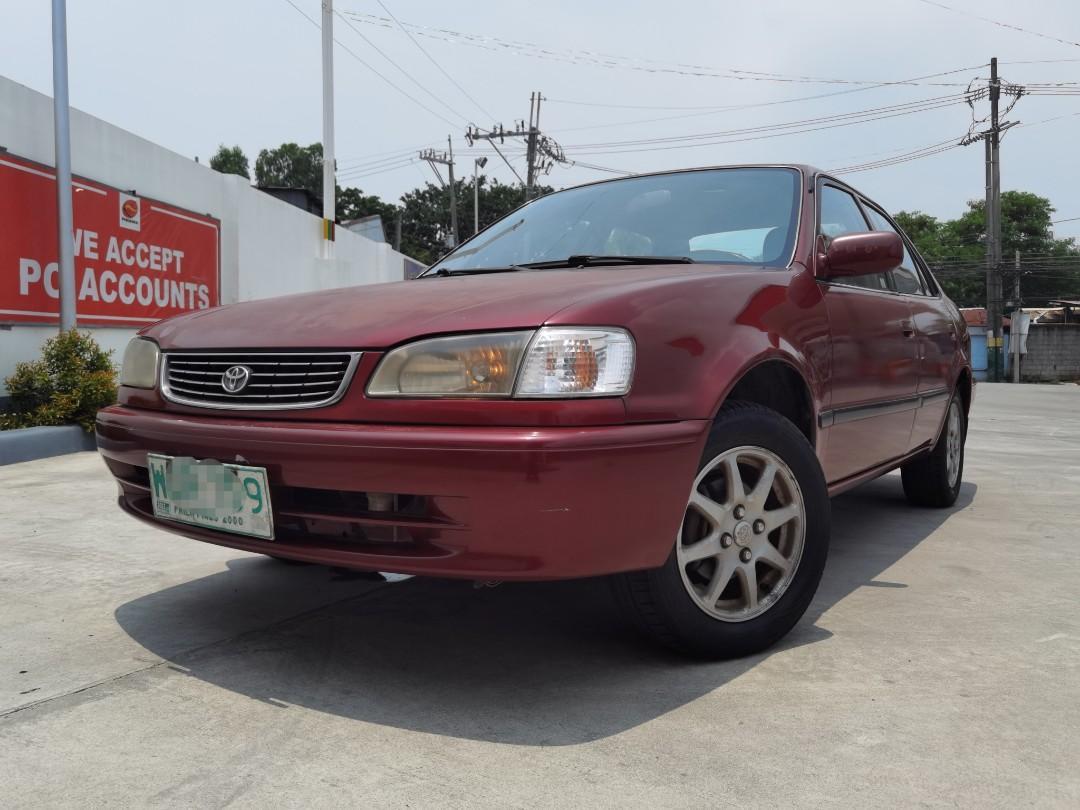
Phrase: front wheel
x=752 y=545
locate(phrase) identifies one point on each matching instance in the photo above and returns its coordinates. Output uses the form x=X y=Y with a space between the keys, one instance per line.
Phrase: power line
x=406 y=73
x=999 y=23
x=360 y=168
x=759 y=133
x=353 y=54
x=596 y=168
x=366 y=158
x=915 y=154
x=914 y=106
x=371 y=164
x=384 y=170
x=366 y=171
x=714 y=110
x=454 y=81
x=599 y=59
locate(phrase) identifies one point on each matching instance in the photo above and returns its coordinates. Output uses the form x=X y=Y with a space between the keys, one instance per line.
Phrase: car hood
x=381 y=315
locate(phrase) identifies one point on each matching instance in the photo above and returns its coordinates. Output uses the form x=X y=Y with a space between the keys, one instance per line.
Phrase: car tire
x=699 y=605
x=934 y=479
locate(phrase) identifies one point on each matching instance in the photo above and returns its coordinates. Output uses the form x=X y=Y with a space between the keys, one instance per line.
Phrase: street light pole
x=62 y=143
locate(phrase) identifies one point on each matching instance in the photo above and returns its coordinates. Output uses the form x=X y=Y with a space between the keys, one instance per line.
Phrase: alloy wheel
x=743 y=534
x=954 y=442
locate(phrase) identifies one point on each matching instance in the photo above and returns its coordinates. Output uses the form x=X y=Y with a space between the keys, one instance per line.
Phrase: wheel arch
x=964 y=388
x=777 y=384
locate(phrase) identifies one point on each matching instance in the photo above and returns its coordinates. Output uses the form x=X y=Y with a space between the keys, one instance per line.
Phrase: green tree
x=352 y=203
x=425 y=211
x=230 y=160
x=291 y=165
x=956 y=249
x=425 y=214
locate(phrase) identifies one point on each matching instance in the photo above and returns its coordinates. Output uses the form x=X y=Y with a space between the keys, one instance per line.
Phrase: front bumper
x=477 y=502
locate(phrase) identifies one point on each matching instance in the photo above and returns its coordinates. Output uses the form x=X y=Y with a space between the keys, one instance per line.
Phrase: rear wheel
x=934 y=480
x=752 y=545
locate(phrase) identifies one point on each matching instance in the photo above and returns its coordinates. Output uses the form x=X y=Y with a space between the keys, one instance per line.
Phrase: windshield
x=734 y=216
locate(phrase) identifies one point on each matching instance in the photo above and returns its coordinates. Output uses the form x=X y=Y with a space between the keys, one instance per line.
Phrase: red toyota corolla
x=662 y=378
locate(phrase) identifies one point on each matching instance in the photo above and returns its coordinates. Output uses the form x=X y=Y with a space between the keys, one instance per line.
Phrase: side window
x=906 y=277
x=840 y=215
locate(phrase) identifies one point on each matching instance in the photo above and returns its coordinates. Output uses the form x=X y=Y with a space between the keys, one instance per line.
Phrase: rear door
x=874 y=356
x=935 y=329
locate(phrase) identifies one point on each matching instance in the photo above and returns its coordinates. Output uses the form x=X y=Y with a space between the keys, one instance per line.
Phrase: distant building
x=370 y=227
x=1052 y=342
x=298 y=197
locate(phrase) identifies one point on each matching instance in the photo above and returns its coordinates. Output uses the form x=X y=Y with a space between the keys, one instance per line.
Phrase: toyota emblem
x=235 y=379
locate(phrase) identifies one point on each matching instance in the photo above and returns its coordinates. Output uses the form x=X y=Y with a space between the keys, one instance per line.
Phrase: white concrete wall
x=268 y=247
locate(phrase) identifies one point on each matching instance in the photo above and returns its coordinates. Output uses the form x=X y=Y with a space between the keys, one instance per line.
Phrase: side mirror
x=857 y=254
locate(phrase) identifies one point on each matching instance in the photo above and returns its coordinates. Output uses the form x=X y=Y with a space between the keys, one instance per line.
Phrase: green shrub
x=71 y=382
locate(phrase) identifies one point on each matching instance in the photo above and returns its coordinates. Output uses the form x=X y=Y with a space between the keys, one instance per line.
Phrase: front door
x=935 y=332
x=875 y=361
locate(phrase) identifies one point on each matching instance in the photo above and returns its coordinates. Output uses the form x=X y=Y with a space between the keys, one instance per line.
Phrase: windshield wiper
x=442 y=272
x=599 y=261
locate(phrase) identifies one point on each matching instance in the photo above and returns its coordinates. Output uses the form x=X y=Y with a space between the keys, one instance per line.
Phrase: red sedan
x=662 y=378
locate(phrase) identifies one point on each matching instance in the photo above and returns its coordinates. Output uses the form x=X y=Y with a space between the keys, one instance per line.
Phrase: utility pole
x=541 y=151
x=478 y=164
x=453 y=194
x=991 y=139
x=993 y=208
x=62 y=133
x=328 y=185
x=436 y=159
x=530 y=144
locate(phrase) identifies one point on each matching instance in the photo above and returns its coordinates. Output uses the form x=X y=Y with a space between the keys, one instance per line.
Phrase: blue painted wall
x=978 y=355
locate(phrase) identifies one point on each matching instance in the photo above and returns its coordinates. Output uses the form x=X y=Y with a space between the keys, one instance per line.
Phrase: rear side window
x=841 y=215
x=906 y=277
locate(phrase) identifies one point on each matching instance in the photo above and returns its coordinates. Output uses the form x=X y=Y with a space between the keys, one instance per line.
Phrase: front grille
x=277 y=380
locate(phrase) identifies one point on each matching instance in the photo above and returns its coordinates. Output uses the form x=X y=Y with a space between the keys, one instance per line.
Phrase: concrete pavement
x=939 y=664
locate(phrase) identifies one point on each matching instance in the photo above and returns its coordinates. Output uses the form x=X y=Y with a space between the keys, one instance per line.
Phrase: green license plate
x=227 y=497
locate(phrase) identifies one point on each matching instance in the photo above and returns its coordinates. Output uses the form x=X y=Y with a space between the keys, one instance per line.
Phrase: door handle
x=909 y=328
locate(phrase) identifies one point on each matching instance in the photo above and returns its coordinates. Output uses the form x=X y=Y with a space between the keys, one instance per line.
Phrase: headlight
x=140 y=364
x=576 y=362
x=551 y=362
x=462 y=366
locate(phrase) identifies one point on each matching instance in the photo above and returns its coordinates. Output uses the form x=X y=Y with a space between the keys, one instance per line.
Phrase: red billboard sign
x=137 y=260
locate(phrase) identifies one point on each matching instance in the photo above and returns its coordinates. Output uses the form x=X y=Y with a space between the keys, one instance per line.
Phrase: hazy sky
x=190 y=75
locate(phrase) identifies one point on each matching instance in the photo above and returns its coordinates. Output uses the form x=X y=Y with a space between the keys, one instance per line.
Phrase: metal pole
x=62 y=136
x=329 y=185
x=996 y=294
x=531 y=150
x=988 y=211
x=453 y=195
x=476 y=196
x=1014 y=335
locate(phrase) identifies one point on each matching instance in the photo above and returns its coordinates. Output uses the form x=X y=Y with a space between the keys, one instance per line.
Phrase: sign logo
x=130 y=212
x=235 y=379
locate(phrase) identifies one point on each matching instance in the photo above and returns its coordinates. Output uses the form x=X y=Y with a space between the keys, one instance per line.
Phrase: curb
x=28 y=444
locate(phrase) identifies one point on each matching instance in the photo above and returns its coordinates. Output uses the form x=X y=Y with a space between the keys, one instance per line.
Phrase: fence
x=267 y=247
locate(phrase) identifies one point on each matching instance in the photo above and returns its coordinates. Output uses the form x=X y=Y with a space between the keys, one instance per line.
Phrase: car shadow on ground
x=524 y=664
